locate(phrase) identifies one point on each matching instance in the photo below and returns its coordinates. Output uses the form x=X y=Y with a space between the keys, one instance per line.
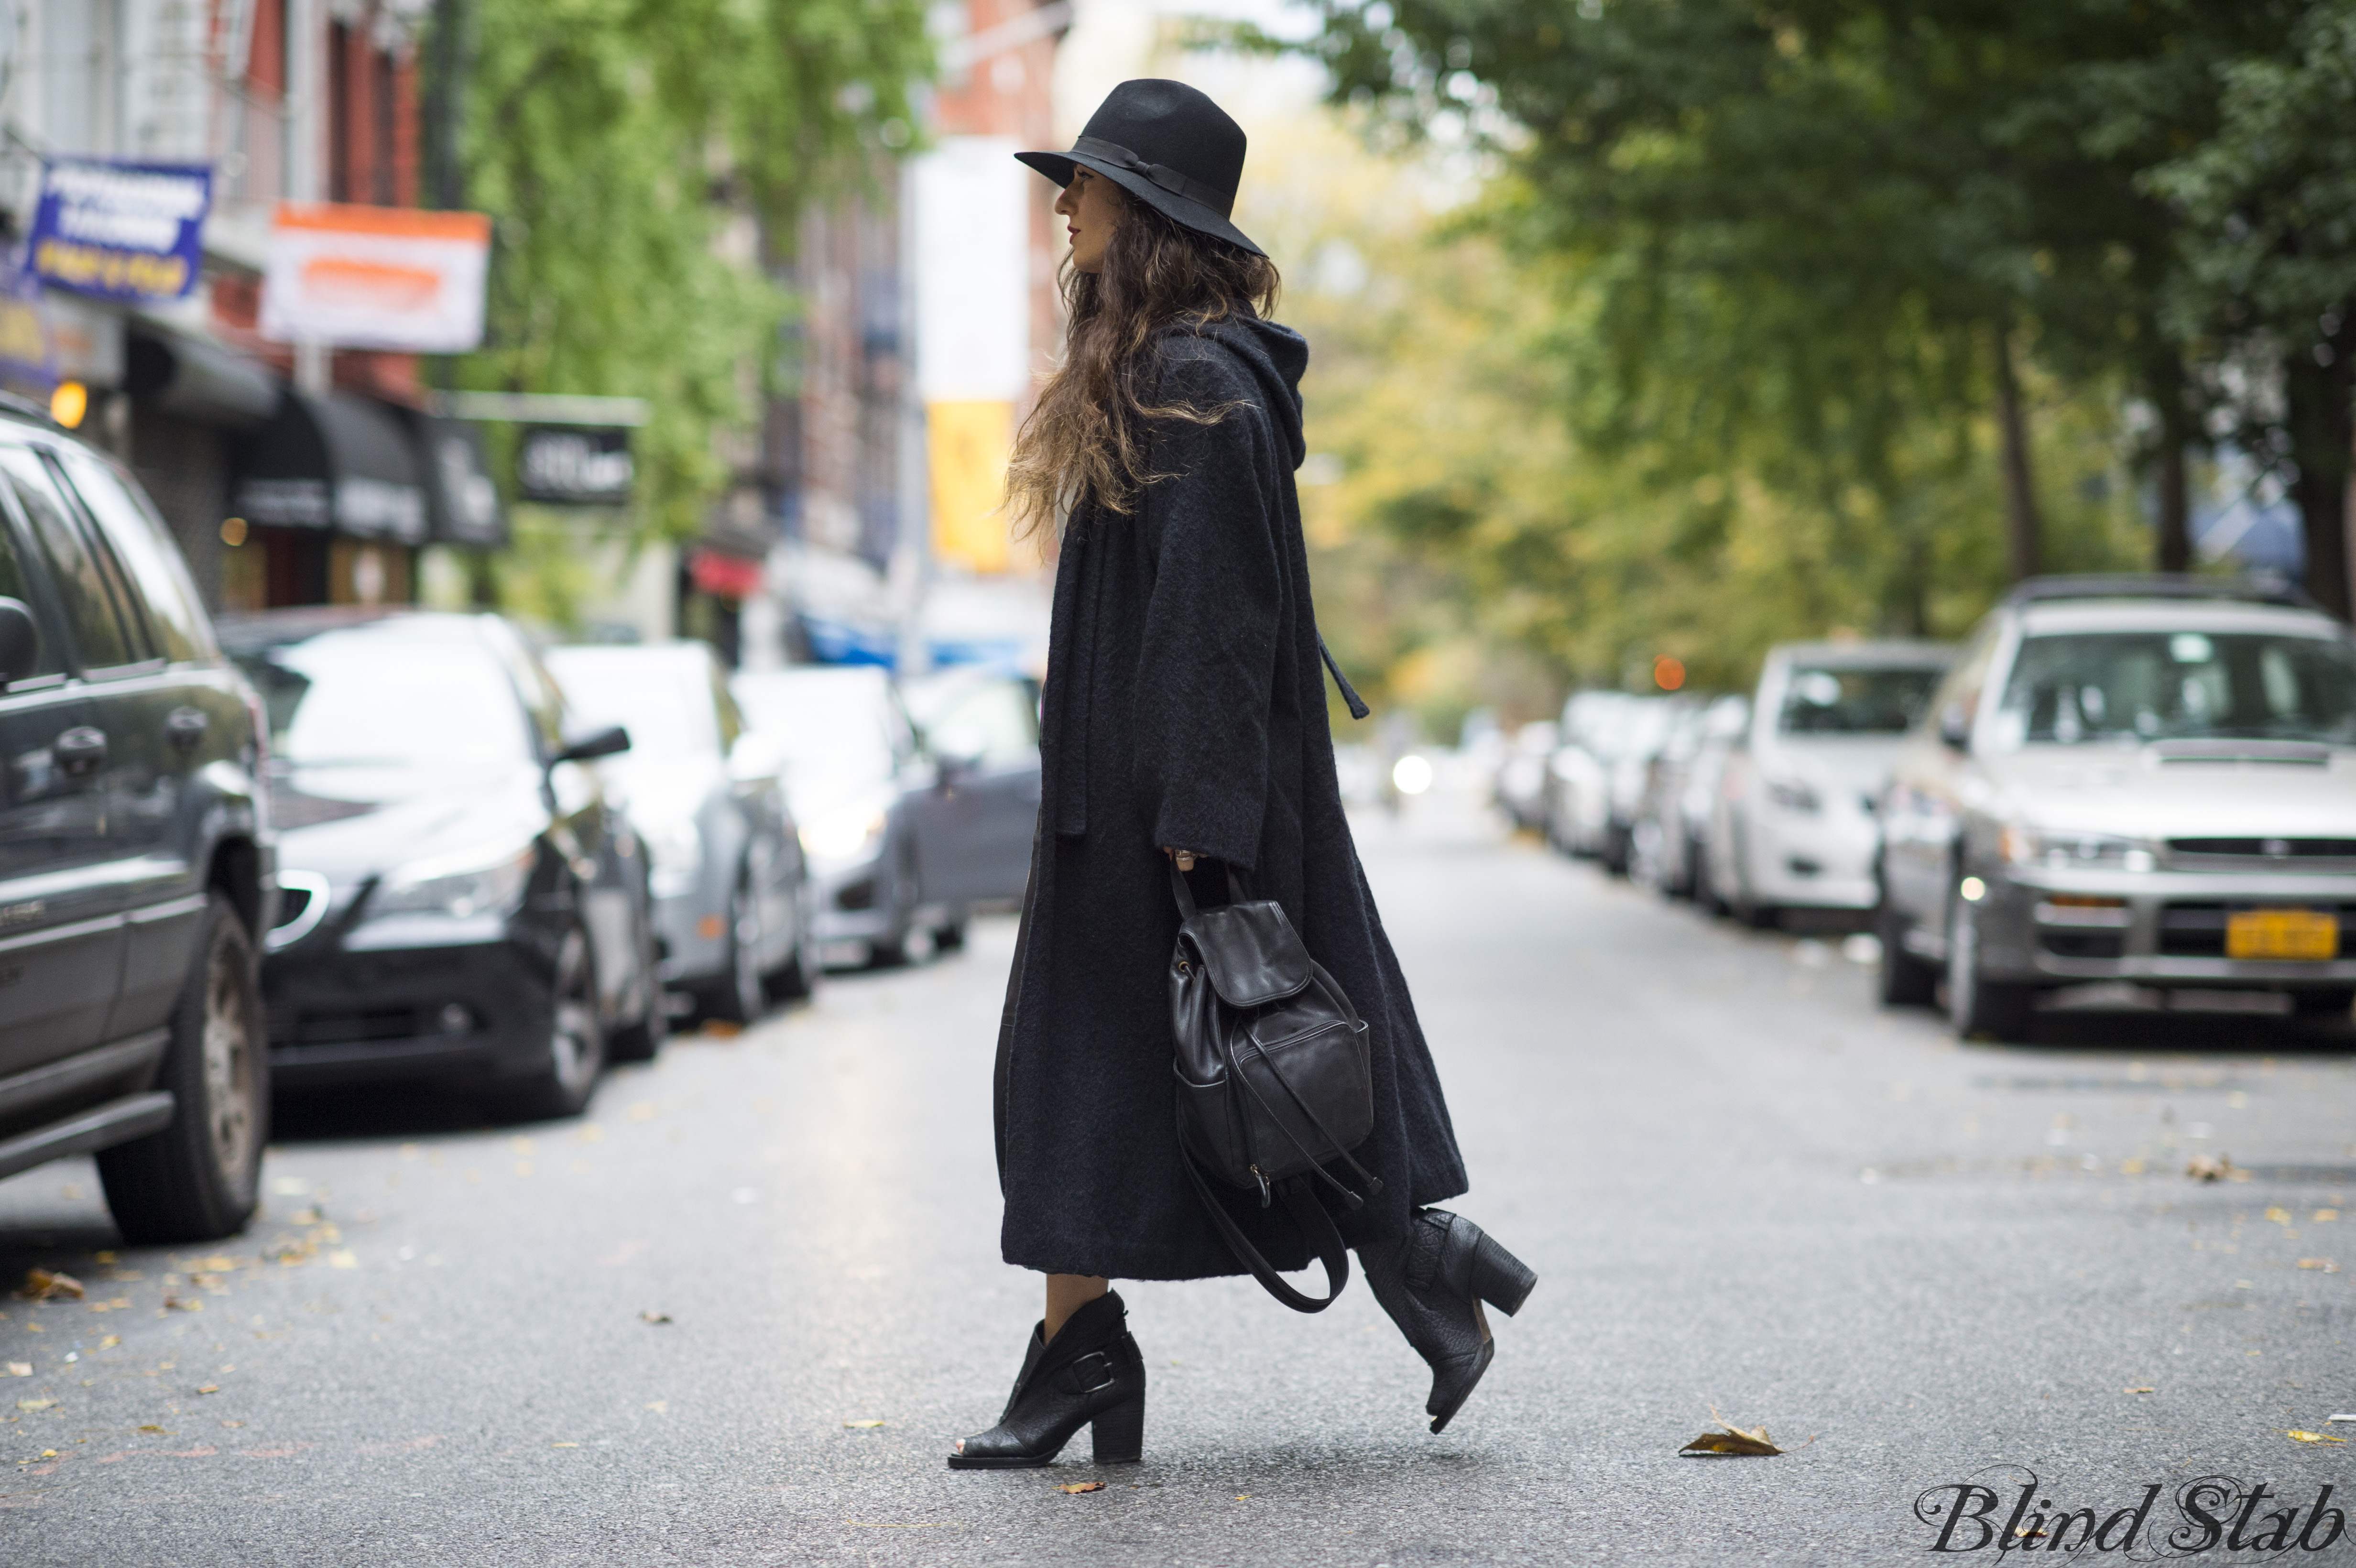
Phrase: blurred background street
x=1744 y=1186
x=520 y=751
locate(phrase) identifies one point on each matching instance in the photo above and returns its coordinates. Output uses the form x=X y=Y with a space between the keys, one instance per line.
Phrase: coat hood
x=1276 y=356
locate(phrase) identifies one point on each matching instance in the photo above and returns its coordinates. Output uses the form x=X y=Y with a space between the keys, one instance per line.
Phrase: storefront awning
x=190 y=378
x=340 y=462
x=462 y=504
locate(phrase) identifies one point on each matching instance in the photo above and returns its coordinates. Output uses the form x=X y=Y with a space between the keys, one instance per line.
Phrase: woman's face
x=1091 y=205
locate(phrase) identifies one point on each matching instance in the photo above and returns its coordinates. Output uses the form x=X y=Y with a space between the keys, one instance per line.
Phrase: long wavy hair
x=1083 y=439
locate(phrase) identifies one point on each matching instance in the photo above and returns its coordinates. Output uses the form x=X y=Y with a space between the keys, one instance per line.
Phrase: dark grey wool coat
x=1185 y=705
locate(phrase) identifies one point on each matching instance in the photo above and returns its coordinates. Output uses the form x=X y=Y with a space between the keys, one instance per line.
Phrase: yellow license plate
x=2281 y=933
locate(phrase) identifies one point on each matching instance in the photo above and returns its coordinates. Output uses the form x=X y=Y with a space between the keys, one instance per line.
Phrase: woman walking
x=1184 y=719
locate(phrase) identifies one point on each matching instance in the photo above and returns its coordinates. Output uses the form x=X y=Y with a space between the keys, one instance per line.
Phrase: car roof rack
x=2254 y=588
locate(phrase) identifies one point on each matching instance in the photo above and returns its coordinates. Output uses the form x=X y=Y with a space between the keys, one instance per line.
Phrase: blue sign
x=121 y=230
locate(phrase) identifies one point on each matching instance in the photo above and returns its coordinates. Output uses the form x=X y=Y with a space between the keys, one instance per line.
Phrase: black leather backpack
x=1274 y=1079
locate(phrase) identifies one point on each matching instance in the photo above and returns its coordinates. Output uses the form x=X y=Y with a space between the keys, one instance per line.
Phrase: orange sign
x=376 y=277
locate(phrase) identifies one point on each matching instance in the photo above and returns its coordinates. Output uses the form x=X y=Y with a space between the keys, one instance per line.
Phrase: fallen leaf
x=210 y=1388
x=151 y=1427
x=2326 y=1264
x=41 y=1285
x=20 y=1369
x=2140 y=1391
x=659 y=1406
x=654 y=1316
x=2210 y=1167
x=1732 y=1443
x=719 y=1029
x=111 y=1341
x=862 y=1424
x=35 y=1403
x=102 y=1257
x=232 y=1424
x=564 y=1445
x=1077 y=1487
x=2325 y=1216
x=48 y=1452
x=2312 y=1437
x=183 y=1304
x=2278 y=1214
x=342 y=1258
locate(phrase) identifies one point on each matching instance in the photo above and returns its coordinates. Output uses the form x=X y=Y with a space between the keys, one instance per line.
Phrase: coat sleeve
x=1206 y=668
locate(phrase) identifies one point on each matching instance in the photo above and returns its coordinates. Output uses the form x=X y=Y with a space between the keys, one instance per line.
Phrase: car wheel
x=1906 y=981
x=737 y=996
x=1705 y=881
x=198 y=1179
x=562 y=1085
x=2334 y=1003
x=1981 y=1008
x=641 y=1039
x=949 y=938
x=798 y=977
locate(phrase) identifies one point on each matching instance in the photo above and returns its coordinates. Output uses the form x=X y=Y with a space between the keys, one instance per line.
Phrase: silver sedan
x=2149 y=780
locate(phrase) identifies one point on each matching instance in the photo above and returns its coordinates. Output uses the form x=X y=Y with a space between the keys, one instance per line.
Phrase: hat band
x=1219 y=201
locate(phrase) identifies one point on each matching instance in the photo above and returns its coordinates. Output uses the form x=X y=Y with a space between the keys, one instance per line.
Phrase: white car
x=2148 y=780
x=1521 y=776
x=1794 y=826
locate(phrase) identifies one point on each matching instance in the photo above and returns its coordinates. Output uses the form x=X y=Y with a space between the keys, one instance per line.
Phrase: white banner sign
x=973 y=270
x=376 y=277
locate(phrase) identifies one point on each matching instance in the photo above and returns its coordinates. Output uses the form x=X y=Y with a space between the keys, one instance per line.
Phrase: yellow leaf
x=564 y=1445
x=862 y=1424
x=210 y=1388
x=1732 y=1443
x=2140 y=1391
x=151 y=1427
x=42 y=1285
x=20 y=1369
x=1075 y=1487
x=2312 y=1437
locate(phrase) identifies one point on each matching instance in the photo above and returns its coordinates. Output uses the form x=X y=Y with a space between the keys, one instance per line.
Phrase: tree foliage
x=635 y=154
x=1802 y=243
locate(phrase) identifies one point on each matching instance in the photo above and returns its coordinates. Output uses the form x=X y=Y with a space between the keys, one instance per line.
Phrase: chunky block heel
x=1120 y=1433
x=1500 y=1278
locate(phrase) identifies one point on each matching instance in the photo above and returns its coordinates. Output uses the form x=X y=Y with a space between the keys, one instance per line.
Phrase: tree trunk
x=2174 y=545
x=2022 y=529
x=2318 y=412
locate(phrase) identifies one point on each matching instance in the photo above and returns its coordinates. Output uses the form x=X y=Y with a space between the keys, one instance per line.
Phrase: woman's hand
x=1185 y=857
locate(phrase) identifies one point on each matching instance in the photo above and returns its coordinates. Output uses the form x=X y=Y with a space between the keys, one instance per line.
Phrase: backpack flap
x=1251 y=953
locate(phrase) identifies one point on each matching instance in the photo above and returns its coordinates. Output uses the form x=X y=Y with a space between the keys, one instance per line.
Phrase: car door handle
x=184 y=727
x=80 y=751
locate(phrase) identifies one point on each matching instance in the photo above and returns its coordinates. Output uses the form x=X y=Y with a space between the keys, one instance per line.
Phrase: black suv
x=134 y=870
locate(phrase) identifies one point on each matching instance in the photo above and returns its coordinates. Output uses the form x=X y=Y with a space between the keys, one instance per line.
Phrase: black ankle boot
x=1433 y=1281
x=1089 y=1373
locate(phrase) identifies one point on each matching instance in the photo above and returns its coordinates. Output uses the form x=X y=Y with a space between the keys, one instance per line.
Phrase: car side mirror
x=1956 y=727
x=608 y=742
x=20 y=642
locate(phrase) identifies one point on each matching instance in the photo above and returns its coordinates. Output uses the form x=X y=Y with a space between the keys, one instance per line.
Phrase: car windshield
x=1853 y=699
x=361 y=699
x=821 y=722
x=2083 y=687
x=664 y=703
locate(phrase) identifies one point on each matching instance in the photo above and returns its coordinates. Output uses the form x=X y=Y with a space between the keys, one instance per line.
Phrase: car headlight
x=486 y=878
x=2056 y=849
x=846 y=831
x=1792 y=795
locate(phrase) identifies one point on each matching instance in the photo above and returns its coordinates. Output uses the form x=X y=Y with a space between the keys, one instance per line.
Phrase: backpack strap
x=1316 y=1228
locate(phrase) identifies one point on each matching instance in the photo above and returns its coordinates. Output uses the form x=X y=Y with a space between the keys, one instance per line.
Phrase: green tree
x=644 y=160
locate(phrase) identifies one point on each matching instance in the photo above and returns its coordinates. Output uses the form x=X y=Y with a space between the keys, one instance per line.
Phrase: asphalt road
x=1742 y=1186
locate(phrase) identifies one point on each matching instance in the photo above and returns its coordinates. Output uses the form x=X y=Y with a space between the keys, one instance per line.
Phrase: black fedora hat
x=1169 y=146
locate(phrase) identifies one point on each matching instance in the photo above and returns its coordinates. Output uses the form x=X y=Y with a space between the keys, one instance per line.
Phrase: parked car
x=1725 y=724
x=851 y=767
x=730 y=885
x=1572 y=813
x=1521 y=776
x=460 y=902
x=1659 y=853
x=1793 y=824
x=134 y=864
x=1598 y=776
x=974 y=825
x=2149 y=780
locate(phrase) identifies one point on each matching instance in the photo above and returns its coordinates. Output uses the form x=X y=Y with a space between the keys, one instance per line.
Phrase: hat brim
x=1183 y=210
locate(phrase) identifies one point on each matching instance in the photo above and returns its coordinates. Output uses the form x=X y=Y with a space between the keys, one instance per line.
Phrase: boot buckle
x=1079 y=1371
